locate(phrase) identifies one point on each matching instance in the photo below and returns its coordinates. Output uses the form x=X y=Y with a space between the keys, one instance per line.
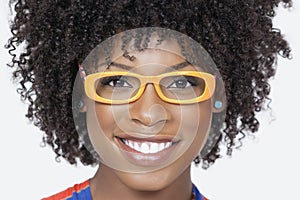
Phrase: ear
x=218 y=105
x=219 y=100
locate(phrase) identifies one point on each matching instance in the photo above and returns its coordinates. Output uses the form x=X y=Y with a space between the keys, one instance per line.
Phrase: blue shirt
x=82 y=192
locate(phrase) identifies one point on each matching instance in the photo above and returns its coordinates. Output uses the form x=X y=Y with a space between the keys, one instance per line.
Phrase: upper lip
x=148 y=137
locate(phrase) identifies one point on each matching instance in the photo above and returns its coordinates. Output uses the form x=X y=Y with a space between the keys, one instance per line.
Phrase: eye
x=115 y=81
x=180 y=84
x=183 y=83
x=119 y=83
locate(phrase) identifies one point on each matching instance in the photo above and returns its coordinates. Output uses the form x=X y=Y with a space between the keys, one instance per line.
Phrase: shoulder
x=78 y=191
x=197 y=194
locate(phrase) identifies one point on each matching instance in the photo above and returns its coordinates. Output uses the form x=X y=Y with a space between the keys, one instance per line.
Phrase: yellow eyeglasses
x=120 y=87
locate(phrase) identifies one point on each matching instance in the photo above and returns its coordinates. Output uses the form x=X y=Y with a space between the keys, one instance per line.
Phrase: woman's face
x=148 y=140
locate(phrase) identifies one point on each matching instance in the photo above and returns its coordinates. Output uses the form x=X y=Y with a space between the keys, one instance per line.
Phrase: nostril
x=150 y=116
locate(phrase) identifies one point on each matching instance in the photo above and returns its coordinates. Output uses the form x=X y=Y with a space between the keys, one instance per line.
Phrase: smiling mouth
x=146 y=147
x=149 y=151
x=151 y=145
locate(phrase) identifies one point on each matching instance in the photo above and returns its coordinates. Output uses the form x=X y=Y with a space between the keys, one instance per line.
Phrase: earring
x=80 y=104
x=218 y=104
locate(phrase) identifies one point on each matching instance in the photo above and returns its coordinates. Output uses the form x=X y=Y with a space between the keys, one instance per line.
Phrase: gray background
x=267 y=167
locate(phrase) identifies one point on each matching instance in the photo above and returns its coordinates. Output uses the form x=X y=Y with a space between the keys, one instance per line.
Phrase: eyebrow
x=126 y=67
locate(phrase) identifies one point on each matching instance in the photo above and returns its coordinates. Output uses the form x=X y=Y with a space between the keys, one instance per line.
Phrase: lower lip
x=142 y=159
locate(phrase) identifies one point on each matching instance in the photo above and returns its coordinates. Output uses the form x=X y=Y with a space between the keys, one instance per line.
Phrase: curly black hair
x=54 y=36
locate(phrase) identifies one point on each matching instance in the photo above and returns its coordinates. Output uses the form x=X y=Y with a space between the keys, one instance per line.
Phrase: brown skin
x=111 y=184
x=172 y=181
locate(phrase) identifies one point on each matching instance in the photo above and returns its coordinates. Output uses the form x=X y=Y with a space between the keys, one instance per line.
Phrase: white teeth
x=131 y=144
x=153 y=147
x=161 y=146
x=136 y=146
x=168 y=144
x=147 y=147
x=126 y=142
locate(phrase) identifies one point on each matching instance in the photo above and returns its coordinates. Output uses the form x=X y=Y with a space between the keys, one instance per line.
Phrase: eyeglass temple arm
x=81 y=72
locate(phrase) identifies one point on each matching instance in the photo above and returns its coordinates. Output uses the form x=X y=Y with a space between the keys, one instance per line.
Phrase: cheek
x=100 y=119
x=105 y=117
x=111 y=117
x=195 y=122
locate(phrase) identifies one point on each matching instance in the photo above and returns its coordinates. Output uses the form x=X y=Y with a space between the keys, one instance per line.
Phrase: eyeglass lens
x=178 y=87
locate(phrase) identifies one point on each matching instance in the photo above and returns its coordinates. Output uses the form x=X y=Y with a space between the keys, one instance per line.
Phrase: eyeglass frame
x=88 y=80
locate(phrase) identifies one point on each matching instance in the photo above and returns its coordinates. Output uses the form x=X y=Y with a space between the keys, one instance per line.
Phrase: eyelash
x=189 y=80
x=106 y=81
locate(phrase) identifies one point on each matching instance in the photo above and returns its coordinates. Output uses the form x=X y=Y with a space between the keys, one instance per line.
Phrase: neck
x=111 y=184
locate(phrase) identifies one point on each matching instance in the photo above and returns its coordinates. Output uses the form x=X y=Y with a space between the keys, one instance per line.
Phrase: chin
x=152 y=181
x=156 y=180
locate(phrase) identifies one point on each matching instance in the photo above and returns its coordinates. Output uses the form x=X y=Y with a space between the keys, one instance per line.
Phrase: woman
x=60 y=35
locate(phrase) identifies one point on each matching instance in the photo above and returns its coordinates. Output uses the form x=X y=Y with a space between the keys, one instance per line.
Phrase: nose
x=149 y=109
